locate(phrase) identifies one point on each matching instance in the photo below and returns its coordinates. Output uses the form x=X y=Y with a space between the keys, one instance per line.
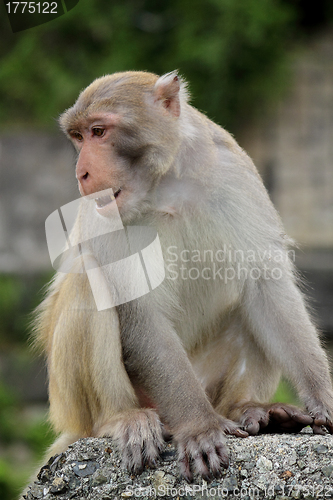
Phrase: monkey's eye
x=99 y=132
x=76 y=135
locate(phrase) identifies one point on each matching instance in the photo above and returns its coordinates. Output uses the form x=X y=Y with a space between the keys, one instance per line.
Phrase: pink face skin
x=97 y=168
x=101 y=166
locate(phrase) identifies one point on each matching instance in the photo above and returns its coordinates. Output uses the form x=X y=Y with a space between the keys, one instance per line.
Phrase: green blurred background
x=238 y=56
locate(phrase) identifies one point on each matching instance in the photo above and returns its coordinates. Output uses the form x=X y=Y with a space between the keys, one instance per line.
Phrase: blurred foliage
x=233 y=52
x=19 y=295
x=18 y=432
x=21 y=435
x=286 y=393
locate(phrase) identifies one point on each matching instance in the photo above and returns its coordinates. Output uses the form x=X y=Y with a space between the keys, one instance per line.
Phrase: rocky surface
x=270 y=466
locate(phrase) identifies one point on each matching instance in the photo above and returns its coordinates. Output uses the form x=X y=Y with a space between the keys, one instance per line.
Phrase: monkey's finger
x=200 y=466
x=238 y=433
x=223 y=454
x=298 y=416
x=184 y=464
x=303 y=419
x=216 y=457
x=251 y=426
x=167 y=436
x=319 y=419
x=287 y=419
x=233 y=429
x=136 y=461
x=321 y=424
x=319 y=429
x=151 y=453
x=279 y=414
x=214 y=463
x=329 y=426
x=256 y=420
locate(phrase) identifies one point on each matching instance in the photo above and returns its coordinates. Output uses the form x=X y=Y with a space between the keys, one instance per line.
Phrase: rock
x=264 y=464
x=328 y=471
x=84 y=469
x=321 y=448
x=58 y=485
x=268 y=466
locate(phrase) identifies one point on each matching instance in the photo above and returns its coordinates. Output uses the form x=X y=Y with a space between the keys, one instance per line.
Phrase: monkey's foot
x=204 y=452
x=321 y=419
x=138 y=435
x=273 y=417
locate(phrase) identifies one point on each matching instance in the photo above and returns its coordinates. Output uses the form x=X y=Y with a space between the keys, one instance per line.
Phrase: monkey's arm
x=158 y=365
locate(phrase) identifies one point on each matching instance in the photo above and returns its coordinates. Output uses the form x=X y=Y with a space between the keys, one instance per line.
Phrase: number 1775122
x=32 y=7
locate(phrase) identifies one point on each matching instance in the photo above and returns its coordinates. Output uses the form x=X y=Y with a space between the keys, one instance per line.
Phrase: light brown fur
x=197 y=352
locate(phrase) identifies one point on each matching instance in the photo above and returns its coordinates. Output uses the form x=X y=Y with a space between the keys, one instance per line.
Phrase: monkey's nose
x=81 y=174
x=83 y=183
x=83 y=178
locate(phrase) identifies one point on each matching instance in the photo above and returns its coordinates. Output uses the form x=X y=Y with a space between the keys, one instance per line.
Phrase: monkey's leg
x=88 y=384
x=91 y=394
x=240 y=380
x=277 y=318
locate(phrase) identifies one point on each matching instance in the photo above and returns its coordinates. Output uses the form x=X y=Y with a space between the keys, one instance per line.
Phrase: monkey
x=199 y=356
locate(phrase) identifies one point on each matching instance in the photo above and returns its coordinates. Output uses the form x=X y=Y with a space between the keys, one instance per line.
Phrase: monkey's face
x=99 y=166
x=124 y=141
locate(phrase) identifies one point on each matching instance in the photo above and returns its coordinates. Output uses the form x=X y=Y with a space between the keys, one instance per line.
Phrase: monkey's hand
x=204 y=452
x=273 y=417
x=138 y=436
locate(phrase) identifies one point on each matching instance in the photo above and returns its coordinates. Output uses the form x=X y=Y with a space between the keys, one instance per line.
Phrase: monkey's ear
x=167 y=90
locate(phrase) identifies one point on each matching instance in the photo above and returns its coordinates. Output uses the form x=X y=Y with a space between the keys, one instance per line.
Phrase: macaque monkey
x=201 y=355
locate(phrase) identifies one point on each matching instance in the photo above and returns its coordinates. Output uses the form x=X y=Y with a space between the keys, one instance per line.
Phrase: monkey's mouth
x=106 y=200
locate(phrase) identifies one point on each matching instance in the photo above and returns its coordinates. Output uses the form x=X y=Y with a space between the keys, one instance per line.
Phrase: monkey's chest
x=198 y=308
